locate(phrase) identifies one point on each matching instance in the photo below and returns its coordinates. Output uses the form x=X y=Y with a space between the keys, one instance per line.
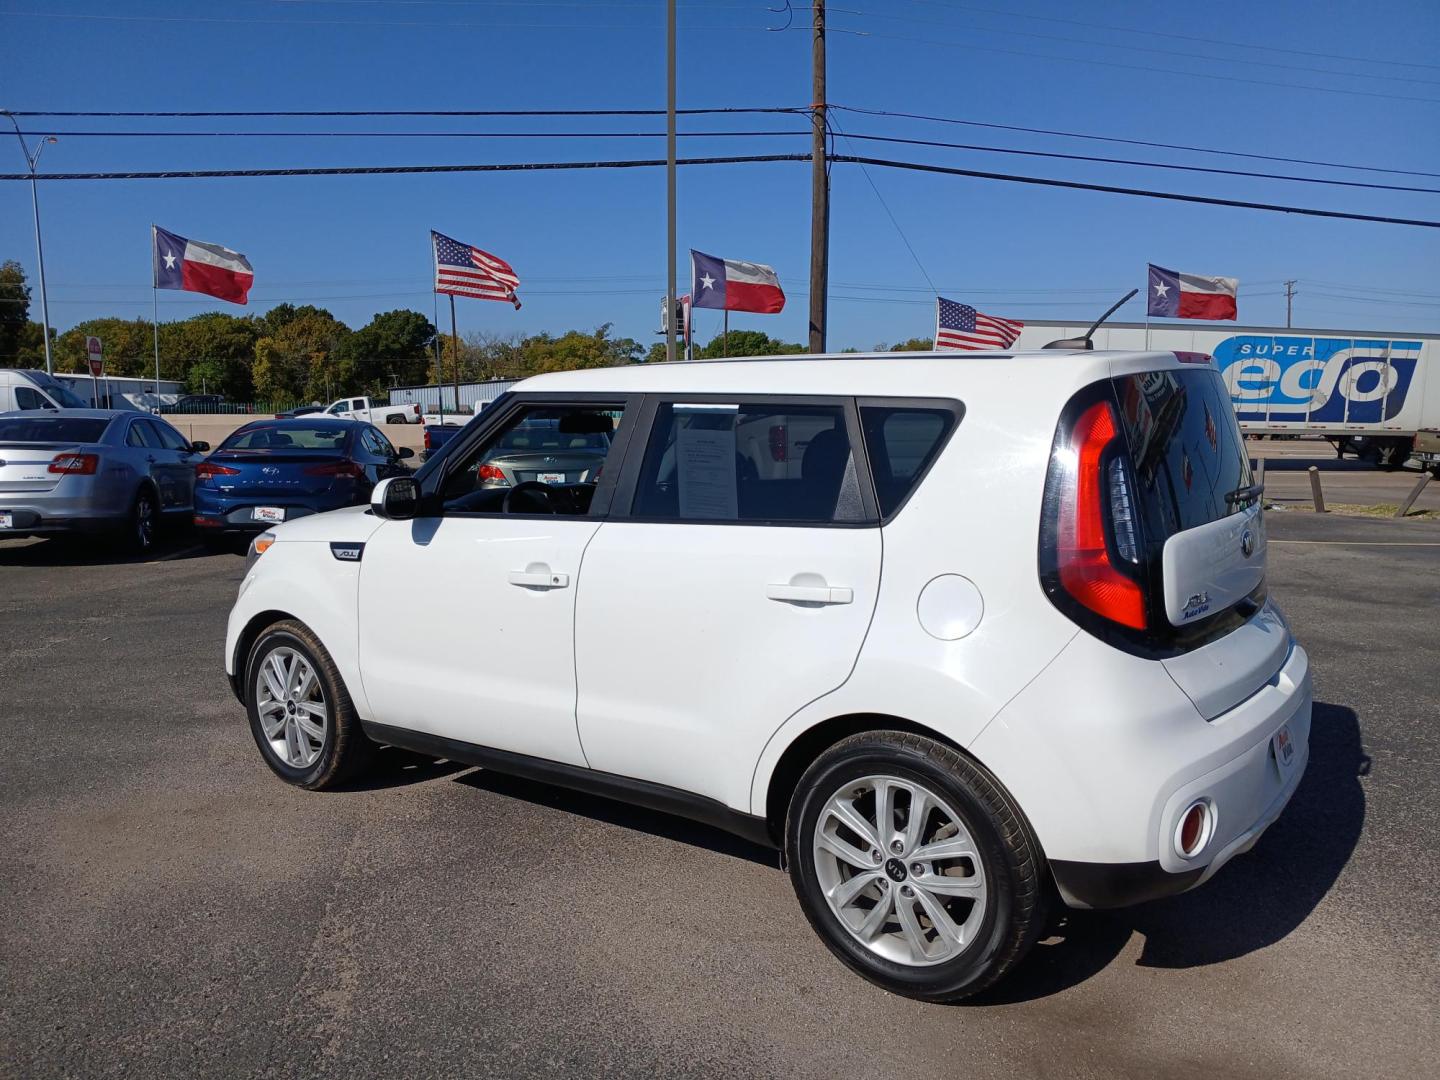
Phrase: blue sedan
x=277 y=470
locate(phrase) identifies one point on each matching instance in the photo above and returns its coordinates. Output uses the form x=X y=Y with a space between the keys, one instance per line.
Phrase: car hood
x=351 y=525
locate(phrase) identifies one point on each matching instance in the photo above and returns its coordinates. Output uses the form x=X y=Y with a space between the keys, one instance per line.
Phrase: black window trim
x=952 y=405
x=498 y=416
x=626 y=491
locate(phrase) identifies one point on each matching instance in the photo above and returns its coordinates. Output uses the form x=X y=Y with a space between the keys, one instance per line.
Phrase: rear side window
x=1186 y=447
x=902 y=442
x=51 y=429
x=25 y=398
x=755 y=462
x=141 y=434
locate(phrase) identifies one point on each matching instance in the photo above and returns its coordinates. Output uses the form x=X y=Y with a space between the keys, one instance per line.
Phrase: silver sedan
x=87 y=470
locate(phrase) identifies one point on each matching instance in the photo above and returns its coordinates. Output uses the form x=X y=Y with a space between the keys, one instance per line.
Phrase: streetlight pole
x=670 y=181
x=31 y=160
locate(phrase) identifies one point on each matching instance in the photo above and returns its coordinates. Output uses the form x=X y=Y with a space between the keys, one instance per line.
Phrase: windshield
x=51 y=429
x=289 y=437
x=1186 y=446
x=62 y=394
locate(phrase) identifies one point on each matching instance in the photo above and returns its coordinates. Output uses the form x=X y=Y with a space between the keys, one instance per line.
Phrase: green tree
x=575 y=349
x=128 y=343
x=393 y=344
x=747 y=343
x=914 y=344
x=14 y=311
x=294 y=360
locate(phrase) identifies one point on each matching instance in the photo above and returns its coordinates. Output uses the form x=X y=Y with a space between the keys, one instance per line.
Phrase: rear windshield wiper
x=1245 y=494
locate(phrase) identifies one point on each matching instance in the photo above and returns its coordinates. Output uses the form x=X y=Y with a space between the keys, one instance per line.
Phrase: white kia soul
x=964 y=636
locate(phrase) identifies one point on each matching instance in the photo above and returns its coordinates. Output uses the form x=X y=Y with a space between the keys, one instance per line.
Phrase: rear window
x=536 y=436
x=56 y=429
x=1186 y=447
x=902 y=441
x=298 y=437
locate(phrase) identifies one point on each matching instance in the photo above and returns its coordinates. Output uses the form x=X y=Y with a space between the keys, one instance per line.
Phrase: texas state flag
x=199 y=267
x=1174 y=295
x=733 y=285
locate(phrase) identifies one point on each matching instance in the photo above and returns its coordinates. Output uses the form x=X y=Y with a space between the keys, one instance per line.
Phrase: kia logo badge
x=1247 y=543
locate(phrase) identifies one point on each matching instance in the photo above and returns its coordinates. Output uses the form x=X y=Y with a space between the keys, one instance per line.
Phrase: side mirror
x=200 y=447
x=404 y=452
x=395 y=498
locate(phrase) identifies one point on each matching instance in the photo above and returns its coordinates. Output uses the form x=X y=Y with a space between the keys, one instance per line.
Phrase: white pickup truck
x=362 y=408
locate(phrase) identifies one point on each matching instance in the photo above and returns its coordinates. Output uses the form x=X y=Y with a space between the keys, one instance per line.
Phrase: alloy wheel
x=144 y=522
x=291 y=705
x=900 y=870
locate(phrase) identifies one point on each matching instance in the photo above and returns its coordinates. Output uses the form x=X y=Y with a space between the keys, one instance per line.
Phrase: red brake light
x=336 y=468
x=1086 y=572
x=206 y=469
x=492 y=472
x=427 y=438
x=779 y=443
x=75 y=464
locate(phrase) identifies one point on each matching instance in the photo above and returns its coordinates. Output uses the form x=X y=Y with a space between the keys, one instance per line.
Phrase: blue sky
x=590 y=245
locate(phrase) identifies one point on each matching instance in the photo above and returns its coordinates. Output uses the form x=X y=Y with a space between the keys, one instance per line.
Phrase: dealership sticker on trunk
x=1284 y=748
x=268 y=513
x=550 y=477
x=7 y=521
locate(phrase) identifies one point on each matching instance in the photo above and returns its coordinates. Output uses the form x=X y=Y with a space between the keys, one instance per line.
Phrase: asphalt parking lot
x=171 y=909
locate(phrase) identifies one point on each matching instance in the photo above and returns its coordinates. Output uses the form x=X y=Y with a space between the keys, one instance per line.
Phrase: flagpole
x=155 y=316
x=439 y=377
x=455 y=343
x=725 y=336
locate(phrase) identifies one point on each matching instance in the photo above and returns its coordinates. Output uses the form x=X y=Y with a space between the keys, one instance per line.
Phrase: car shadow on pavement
x=98 y=551
x=612 y=812
x=395 y=768
x=1257 y=900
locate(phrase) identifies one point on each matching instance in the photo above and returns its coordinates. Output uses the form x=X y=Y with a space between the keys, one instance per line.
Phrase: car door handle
x=810 y=594
x=539 y=579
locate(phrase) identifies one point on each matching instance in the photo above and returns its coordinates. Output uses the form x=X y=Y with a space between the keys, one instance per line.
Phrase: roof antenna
x=1085 y=342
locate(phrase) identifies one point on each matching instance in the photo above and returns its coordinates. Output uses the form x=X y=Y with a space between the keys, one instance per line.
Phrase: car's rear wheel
x=300 y=712
x=914 y=865
x=144 y=519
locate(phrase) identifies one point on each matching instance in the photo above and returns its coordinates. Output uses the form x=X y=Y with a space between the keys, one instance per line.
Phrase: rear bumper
x=238 y=519
x=1105 y=758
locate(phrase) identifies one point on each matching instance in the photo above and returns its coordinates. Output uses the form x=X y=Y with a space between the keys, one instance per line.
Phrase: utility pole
x=819 y=191
x=1289 y=300
x=670 y=181
x=32 y=160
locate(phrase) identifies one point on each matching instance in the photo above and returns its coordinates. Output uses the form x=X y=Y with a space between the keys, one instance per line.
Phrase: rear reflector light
x=779 y=443
x=75 y=464
x=493 y=473
x=1083 y=561
x=1196 y=827
x=207 y=469
x=336 y=468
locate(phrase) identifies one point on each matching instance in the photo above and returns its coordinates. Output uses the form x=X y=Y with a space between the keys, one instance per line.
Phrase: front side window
x=170 y=438
x=545 y=460
x=766 y=462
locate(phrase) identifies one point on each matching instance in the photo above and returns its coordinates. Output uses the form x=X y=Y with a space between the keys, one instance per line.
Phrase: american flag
x=960 y=326
x=467 y=271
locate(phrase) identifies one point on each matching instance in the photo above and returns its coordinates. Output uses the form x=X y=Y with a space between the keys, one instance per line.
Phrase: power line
x=1169 y=73
x=212 y=113
x=1142 y=164
x=1180 y=37
x=407 y=134
x=1117 y=139
x=1270 y=65
x=1207 y=200
x=551 y=166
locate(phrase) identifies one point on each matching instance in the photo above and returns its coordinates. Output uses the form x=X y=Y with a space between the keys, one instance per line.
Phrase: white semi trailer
x=1371 y=392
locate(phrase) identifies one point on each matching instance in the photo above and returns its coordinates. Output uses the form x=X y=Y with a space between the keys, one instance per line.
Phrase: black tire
x=1011 y=858
x=142 y=528
x=396 y=420
x=346 y=751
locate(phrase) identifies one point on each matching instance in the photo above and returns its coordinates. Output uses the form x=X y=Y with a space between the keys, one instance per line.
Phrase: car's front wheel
x=300 y=712
x=914 y=865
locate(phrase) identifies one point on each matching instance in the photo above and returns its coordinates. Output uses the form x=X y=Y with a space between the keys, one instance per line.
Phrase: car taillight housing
x=352 y=469
x=492 y=474
x=1090 y=542
x=207 y=470
x=75 y=464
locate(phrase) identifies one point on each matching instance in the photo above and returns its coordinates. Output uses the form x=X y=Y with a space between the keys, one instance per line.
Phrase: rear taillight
x=75 y=464
x=208 y=469
x=493 y=473
x=336 y=468
x=779 y=443
x=427 y=438
x=1089 y=483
